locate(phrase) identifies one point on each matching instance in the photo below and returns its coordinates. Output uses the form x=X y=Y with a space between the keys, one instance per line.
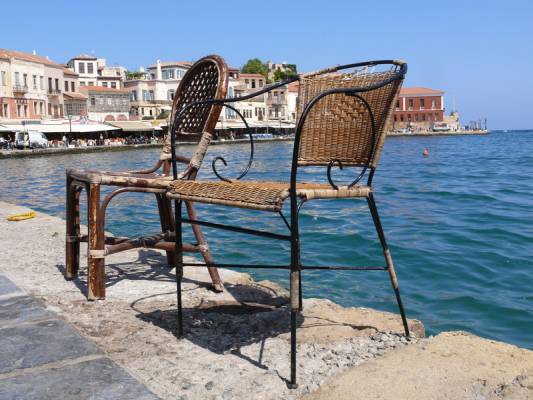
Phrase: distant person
x=65 y=141
x=425 y=152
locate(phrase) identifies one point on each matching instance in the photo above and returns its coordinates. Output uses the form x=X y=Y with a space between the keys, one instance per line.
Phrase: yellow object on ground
x=20 y=217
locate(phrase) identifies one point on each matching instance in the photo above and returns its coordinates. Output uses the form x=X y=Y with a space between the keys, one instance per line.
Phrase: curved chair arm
x=226 y=102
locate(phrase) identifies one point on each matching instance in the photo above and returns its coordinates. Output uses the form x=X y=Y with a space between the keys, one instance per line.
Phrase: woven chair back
x=206 y=79
x=339 y=127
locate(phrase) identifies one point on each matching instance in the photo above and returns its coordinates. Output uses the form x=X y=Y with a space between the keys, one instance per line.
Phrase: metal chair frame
x=293 y=237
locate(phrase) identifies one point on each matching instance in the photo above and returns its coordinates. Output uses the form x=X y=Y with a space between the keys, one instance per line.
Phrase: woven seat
x=266 y=196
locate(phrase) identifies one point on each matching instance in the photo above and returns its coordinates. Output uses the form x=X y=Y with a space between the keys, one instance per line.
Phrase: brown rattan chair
x=344 y=114
x=206 y=79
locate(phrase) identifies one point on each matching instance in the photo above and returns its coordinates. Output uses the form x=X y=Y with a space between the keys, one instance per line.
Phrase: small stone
x=209 y=385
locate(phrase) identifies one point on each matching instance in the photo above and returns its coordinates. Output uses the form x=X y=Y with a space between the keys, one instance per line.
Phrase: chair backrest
x=339 y=127
x=206 y=79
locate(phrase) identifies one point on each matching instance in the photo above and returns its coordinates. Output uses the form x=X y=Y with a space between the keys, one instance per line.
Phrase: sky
x=479 y=52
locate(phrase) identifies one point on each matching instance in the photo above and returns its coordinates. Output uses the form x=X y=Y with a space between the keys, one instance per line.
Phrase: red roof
x=294 y=86
x=4 y=53
x=419 y=91
x=74 y=95
x=67 y=71
x=102 y=89
x=242 y=75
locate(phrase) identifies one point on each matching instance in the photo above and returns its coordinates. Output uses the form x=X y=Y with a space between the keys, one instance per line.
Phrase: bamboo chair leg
x=179 y=262
x=388 y=260
x=72 y=244
x=165 y=216
x=218 y=286
x=295 y=292
x=96 y=246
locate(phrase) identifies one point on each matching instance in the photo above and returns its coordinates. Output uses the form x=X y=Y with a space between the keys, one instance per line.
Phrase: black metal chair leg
x=294 y=313
x=300 y=293
x=388 y=260
x=179 y=262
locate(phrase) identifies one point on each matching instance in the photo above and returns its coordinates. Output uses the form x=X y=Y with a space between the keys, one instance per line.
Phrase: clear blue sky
x=479 y=52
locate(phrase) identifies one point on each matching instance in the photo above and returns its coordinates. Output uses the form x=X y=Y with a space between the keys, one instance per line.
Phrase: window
x=430 y=116
x=49 y=84
x=151 y=95
x=66 y=86
x=433 y=104
x=253 y=83
x=104 y=84
x=90 y=69
x=25 y=110
x=42 y=108
x=171 y=93
x=409 y=117
x=416 y=117
x=19 y=111
x=17 y=78
x=3 y=78
x=35 y=111
x=72 y=86
x=423 y=117
x=90 y=83
x=93 y=101
x=57 y=84
x=260 y=83
x=34 y=81
x=411 y=104
x=422 y=104
x=145 y=95
x=41 y=82
x=397 y=104
x=6 y=110
x=401 y=118
x=82 y=83
x=395 y=118
x=247 y=81
x=114 y=85
x=133 y=95
x=25 y=80
x=151 y=114
x=81 y=68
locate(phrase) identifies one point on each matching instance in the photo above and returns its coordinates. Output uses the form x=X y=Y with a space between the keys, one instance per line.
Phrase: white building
x=93 y=71
x=151 y=96
x=86 y=67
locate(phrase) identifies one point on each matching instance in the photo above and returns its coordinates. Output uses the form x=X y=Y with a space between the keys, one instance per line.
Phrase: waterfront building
x=418 y=108
x=106 y=104
x=292 y=100
x=277 y=104
x=30 y=86
x=253 y=109
x=151 y=95
x=75 y=103
x=86 y=67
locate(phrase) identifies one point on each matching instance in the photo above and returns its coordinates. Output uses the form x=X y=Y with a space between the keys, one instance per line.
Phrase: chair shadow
x=150 y=265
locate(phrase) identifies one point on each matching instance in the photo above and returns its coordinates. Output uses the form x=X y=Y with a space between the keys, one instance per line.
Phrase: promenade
x=236 y=342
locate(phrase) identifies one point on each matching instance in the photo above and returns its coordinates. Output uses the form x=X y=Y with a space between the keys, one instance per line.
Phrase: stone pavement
x=42 y=357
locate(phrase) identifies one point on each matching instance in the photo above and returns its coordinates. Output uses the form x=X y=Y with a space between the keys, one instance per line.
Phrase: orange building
x=417 y=108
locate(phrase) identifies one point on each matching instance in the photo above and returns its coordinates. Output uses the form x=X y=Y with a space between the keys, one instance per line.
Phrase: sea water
x=459 y=224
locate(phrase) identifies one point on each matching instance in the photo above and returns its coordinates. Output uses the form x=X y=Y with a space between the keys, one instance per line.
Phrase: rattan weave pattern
x=339 y=127
x=264 y=195
x=205 y=80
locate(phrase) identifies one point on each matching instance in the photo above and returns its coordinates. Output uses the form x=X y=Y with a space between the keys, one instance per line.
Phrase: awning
x=254 y=124
x=134 y=126
x=58 y=128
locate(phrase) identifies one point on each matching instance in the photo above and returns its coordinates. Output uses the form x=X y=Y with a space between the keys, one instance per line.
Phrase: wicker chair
x=344 y=114
x=206 y=79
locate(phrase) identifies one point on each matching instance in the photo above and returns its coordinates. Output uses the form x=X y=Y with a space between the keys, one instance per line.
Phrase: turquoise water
x=459 y=223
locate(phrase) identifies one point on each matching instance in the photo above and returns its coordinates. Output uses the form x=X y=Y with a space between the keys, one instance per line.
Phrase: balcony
x=20 y=88
x=54 y=92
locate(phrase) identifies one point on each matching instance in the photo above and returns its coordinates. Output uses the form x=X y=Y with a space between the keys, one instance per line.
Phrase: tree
x=255 y=66
x=289 y=71
x=134 y=75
